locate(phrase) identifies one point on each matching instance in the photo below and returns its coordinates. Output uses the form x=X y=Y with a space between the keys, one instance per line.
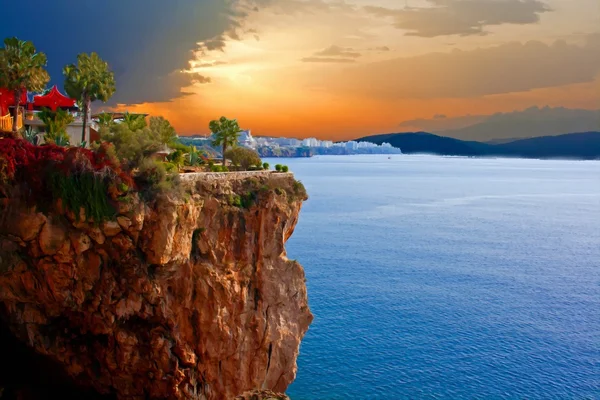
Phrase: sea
x=449 y=278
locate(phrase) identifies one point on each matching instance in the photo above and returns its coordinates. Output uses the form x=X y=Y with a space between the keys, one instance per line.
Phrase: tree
x=163 y=128
x=131 y=147
x=225 y=132
x=243 y=157
x=88 y=81
x=135 y=122
x=105 y=120
x=21 y=70
x=55 y=123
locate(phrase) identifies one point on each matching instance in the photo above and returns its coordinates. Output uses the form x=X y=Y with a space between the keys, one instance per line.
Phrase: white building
x=311 y=142
x=245 y=139
x=352 y=145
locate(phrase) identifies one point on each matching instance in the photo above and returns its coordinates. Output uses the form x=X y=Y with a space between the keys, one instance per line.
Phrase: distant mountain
x=532 y=122
x=423 y=142
x=519 y=124
x=574 y=145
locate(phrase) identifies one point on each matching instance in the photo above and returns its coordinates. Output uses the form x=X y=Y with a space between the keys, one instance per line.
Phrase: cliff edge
x=190 y=298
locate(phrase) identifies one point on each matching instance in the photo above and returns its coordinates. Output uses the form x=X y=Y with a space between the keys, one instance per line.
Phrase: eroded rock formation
x=185 y=299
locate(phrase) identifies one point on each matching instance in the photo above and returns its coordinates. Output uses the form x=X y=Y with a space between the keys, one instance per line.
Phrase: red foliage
x=25 y=163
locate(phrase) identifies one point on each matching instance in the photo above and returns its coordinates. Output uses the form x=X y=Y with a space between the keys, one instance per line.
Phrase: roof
x=7 y=98
x=53 y=99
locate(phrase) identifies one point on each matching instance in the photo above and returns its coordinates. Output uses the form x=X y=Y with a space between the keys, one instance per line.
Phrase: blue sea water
x=449 y=278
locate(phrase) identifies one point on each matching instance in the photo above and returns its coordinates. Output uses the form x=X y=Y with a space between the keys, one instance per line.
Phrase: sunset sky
x=329 y=69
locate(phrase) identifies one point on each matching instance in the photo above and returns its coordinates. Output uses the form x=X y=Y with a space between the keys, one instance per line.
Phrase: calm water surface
x=449 y=278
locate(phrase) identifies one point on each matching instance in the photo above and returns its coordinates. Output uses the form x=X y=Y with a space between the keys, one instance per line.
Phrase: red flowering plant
x=78 y=179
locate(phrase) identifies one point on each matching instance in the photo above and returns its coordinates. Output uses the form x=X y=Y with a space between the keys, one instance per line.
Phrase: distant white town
x=290 y=147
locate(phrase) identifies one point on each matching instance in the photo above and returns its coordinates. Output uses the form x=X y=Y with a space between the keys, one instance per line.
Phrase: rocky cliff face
x=184 y=299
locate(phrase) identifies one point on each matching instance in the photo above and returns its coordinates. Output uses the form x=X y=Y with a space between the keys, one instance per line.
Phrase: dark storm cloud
x=461 y=17
x=145 y=41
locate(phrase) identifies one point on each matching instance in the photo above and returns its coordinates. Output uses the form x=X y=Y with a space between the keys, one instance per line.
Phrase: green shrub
x=177 y=158
x=246 y=200
x=86 y=190
x=170 y=167
x=243 y=157
x=132 y=147
x=278 y=167
x=266 y=165
x=300 y=190
x=153 y=178
x=219 y=168
x=55 y=124
x=284 y=168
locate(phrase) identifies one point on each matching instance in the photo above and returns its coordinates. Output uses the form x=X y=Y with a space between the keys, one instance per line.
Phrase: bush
x=132 y=147
x=284 y=168
x=266 y=165
x=243 y=157
x=177 y=158
x=79 y=177
x=154 y=178
x=278 y=167
x=55 y=124
x=165 y=132
x=219 y=168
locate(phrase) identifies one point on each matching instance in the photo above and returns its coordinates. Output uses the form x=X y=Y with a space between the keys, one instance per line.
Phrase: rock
x=262 y=395
x=111 y=228
x=203 y=304
x=23 y=224
x=123 y=242
x=97 y=235
x=52 y=236
x=81 y=242
x=124 y=222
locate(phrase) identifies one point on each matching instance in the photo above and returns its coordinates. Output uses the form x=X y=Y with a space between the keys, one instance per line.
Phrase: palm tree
x=88 y=81
x=225 y=132
x=105 y=120
x=21 y=70
x=134 y=122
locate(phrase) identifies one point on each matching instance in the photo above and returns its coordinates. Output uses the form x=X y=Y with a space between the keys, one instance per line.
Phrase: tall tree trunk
x=86 y=107
x=224 y=150
x=16 y=116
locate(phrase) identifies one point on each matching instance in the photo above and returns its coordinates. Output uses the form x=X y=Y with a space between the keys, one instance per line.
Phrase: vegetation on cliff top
x=78 y=178
x=134 y=154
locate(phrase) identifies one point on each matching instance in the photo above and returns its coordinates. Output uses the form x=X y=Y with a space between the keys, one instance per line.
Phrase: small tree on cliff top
x=21 y=70
x=243 y=157
x=225 y=132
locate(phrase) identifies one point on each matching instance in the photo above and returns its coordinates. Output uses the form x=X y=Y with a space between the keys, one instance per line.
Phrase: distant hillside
x=423 y=142
x=574 y=145
x=519 y=124
x=532 y=122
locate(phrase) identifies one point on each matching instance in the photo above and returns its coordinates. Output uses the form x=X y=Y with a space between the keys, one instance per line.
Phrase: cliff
x=183 y=299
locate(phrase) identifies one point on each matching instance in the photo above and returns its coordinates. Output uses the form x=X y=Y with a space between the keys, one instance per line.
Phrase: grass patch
x=87 y=191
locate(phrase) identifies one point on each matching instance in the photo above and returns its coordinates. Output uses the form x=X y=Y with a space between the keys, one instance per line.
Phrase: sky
x=331 y=69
